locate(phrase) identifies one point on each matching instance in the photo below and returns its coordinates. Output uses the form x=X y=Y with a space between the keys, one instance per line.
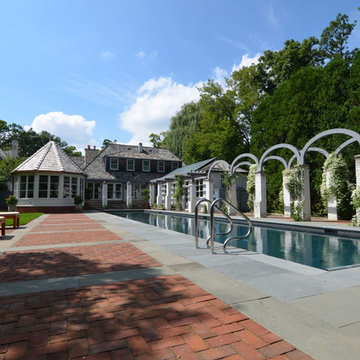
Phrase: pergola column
x=192 y=196
x=159 y=198
x=306 y=194
x=128 y=194
x=168 y=196
x=287 y=196
x=209 y=189
x=232 y=197
x=332 y=201
x=260 y=206
x=152 y=199
x=357 y=176
x=104 y=200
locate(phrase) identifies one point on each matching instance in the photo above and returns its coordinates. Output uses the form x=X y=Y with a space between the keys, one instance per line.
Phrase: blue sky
x=87 y=70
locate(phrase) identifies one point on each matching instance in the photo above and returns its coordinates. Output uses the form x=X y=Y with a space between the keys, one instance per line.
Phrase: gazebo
x=48 y=181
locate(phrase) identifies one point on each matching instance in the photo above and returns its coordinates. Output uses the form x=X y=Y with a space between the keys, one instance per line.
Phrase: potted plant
x=11 y=202
x=78 y=201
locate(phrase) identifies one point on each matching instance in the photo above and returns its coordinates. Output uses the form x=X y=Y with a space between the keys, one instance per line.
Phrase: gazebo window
x=199 y=188
x=48 y=185
x=26 y=186
x=73 y=186
x=54 y=186
x=66 y=187
x=43 y=186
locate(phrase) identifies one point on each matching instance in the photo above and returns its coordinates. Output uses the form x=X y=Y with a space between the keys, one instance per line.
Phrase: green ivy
x=338 y=185
x=179 y=191
x=250 y=186
x=294 y=180
x=355 y=202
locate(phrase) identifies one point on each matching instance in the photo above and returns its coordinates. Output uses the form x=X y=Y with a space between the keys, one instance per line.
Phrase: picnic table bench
x=14 y=215
x=2 y=222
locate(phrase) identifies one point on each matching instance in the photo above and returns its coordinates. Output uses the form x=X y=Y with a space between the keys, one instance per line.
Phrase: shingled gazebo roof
x=50 y=158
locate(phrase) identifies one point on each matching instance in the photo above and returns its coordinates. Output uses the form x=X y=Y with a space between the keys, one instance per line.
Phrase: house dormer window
x=130 y=165
x=114 y=164
x=146 y=165
x=161 y=166
x=174 y=165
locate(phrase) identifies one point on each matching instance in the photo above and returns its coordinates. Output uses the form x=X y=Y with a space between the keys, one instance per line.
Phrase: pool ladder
x=211 y=238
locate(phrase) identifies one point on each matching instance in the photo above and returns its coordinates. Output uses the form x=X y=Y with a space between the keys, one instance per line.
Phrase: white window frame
x=114 y=190
x=162 y=162
x=49 y=189
x=27 y=190
x=144 y=169
x=116 y=167
x=128 y=168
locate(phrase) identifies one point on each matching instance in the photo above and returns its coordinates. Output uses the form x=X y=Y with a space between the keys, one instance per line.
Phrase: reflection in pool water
x=320 y=251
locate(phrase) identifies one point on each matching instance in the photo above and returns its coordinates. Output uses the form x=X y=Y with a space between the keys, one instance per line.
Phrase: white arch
x=215 y=163
x=279 y=158
x=344 y=144
x=245 y=155
x=247 y=163
x=315 y=149
x=354 y=135
x=278 y=146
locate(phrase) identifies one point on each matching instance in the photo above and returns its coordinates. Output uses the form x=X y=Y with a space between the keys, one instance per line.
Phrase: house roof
x=50 y=158
x=186 y=170
x=96 y=169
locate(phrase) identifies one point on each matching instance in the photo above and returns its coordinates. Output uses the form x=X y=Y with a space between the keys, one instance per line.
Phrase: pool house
x=48 y=181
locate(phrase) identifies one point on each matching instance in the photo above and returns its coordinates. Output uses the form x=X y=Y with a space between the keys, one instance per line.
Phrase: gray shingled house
x=118 y=174
x=47 y=181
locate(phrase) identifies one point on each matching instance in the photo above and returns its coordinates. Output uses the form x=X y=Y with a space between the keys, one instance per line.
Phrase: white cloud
x=107 y=56
x=220 y=75
x=246 y=60
x=74 y=129
x=158 y=100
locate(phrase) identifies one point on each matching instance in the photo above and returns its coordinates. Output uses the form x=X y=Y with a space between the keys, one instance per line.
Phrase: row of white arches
x=298 y=155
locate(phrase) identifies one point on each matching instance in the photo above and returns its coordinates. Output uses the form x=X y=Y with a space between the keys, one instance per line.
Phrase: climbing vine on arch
x=335 y=184
x=250 y=186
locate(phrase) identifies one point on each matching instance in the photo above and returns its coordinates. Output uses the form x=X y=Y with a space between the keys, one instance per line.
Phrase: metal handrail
x=196 y=229
x=196 y=219
x=212 y=235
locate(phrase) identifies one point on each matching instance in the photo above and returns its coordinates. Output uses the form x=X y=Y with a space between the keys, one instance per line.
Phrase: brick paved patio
x=70 y=261
x=165 y=317
x=160 y=318
x=66 y=237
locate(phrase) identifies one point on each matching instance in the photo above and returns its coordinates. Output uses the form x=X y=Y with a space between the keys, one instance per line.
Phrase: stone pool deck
x=97 y=286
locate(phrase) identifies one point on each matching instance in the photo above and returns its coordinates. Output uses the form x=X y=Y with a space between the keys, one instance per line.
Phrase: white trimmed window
x=161 y=166
x=26 y=186
x=130 y=165
x=114 y=191
x=66 y=187
x=146 y=165
x=48 y=186
x=199 y=188
x=114 y=164
x=74 y=186
x=137 y=191
x=94 y=190
x=174 y=165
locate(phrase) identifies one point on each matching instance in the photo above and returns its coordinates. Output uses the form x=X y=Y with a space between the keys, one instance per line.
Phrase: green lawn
x=24 y=218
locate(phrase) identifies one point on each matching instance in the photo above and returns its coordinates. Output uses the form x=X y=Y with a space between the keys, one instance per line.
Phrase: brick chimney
x=140 y=147
x=90 y=154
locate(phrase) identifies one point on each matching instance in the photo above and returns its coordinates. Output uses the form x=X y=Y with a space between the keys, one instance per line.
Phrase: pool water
x=319 y=251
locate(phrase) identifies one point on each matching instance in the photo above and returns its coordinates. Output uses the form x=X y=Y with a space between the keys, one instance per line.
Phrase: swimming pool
x=319 y=251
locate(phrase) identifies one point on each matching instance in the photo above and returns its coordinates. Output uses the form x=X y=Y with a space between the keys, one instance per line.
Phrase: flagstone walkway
x=146 y=317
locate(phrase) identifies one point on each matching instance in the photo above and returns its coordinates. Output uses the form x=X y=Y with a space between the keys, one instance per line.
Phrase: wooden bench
x=14 y=215
x=2 y=222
